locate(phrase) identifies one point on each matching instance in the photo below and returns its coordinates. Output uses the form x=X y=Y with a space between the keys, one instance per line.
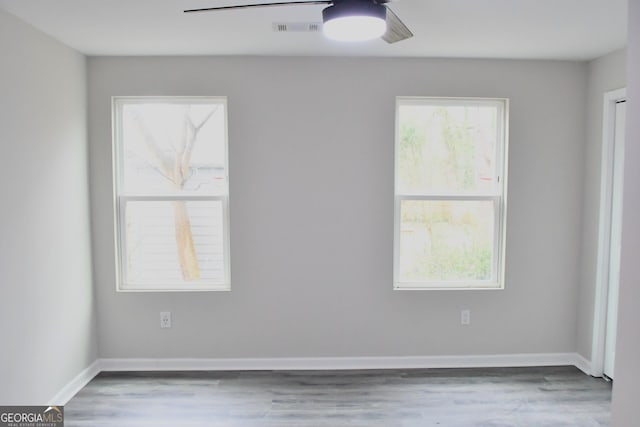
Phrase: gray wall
x=625 y=387
x=46 y=293
x=311 y=158
x=605 y=74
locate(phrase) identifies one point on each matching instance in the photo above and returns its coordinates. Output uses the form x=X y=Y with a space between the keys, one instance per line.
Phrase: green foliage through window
x=447 y=180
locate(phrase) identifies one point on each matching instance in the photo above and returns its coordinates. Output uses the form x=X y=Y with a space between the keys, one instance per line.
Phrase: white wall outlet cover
x=165 y=319
x=465 y=317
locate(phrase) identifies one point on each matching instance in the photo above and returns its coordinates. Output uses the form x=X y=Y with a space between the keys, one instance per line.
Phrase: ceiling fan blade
x=396 y=30
x=246 y=6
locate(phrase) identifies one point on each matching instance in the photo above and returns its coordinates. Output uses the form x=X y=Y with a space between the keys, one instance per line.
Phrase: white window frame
x=499 y=199
x=120 y=200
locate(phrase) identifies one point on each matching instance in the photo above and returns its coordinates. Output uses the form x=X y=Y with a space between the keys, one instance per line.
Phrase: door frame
x=604 y=230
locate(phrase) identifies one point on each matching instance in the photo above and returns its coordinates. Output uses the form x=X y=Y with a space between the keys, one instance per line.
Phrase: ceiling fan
x=346 y=20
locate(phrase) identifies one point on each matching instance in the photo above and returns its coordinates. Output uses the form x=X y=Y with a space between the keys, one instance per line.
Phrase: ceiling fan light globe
x=354 y=20
x=354 y=28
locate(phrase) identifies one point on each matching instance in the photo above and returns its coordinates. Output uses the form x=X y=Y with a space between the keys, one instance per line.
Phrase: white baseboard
x=75 y=385
x=583 y=364
x=337 y=363
x=319 y=363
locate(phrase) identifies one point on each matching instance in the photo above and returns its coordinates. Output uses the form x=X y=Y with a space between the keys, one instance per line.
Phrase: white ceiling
x=540 y=29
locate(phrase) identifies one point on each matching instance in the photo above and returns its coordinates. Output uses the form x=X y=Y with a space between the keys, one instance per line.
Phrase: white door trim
x=604 y=231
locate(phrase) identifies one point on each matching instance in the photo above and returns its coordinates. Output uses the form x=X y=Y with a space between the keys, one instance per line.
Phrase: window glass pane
x=174 y=242
x=446 y=240
x=173 y=147
x=447 y=148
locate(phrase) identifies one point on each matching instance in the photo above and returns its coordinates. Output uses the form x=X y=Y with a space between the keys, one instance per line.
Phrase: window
x=450 y=181
x=171 y=193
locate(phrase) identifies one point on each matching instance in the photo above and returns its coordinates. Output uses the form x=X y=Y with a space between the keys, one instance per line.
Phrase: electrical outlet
x=165 y=319
x=465 y=317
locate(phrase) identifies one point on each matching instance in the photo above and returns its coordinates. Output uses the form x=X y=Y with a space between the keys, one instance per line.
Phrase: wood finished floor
x=529 y=397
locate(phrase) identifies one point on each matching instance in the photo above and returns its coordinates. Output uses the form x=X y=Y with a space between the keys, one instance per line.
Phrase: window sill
x=174 y=288
x=452 y=287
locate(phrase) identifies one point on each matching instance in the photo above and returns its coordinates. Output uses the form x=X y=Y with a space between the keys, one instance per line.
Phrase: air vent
x=297 y=27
